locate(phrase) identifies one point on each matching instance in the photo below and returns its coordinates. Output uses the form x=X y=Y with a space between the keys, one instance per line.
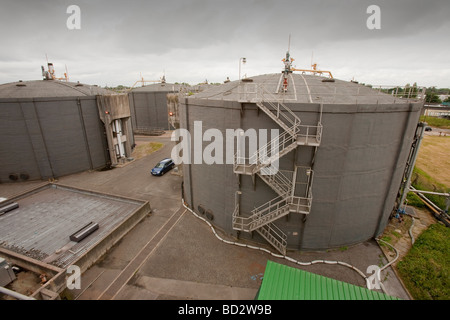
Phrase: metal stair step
x=262 y=218
x=268 y=218
x=246 y=169
x=273 y=116
x=308 y=141
x=274 y=236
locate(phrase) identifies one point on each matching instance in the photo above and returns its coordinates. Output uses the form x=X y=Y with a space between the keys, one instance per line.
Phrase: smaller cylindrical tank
x=149 y=106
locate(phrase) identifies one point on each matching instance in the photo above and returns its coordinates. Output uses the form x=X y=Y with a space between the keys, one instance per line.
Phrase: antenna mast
x=289 y=43
x=50 y=74
x=287 y=66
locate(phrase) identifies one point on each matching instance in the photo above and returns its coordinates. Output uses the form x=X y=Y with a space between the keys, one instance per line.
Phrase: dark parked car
x=163 y=166
x=428 y=129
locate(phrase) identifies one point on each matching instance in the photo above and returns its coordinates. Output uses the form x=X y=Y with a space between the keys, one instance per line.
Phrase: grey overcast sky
x=193 y=40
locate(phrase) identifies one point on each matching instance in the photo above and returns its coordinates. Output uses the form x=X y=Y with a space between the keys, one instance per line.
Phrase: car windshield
x=160 y=165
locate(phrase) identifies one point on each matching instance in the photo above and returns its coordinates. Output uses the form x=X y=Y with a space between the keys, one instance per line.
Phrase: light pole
x=244 y=60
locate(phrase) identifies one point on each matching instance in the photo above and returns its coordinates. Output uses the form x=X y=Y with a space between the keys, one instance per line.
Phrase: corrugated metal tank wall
x=357 y=169
x=149 y=109
x=148 y=105
x=50 y=137
x=211 y=186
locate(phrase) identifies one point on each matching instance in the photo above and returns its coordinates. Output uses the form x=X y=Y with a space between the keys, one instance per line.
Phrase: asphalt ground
x=173 y=255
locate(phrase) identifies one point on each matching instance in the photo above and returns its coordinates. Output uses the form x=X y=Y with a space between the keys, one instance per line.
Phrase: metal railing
x=274 y=236
x=251 y=92
x=276 y=180
x=271 y=211
x=263 y=215
x=248 y=92
x=270 y=206
x=257 y=93
x=301 y=204
x=310 y=134
x=274 y=148
x=259 y=162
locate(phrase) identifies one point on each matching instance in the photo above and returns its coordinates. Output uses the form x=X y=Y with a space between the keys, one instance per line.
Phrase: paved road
x=438 y=132
x=133 y=180
x=171 y=254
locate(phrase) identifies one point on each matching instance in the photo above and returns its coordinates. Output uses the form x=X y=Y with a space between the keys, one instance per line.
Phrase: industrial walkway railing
x=342 y=92
x=260 y=163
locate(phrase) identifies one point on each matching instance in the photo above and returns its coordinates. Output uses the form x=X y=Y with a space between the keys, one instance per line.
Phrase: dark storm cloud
x=162 y=25
x=137 y=34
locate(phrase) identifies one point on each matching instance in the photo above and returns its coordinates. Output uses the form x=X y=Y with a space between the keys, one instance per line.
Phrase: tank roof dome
x=163 y=87
x=301 y=88
x=49 y=88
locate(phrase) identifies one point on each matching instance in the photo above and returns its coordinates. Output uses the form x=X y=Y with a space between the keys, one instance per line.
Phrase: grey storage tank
x=341 y=148
x=149 y=107
x=52 y=128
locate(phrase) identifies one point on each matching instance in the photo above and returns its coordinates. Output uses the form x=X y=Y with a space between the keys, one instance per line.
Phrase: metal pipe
x=15 y=294
x=420 y=130
x=274 y=254
x=244 y=60
x=425 y=199
x=430 y=192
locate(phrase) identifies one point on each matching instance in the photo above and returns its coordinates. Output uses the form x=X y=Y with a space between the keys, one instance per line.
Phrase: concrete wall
x=357 y=169
x=116 y=107
x=46 y=138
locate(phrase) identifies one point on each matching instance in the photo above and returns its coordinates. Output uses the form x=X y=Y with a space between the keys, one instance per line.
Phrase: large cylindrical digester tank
x=49 y=129
x=356 y=170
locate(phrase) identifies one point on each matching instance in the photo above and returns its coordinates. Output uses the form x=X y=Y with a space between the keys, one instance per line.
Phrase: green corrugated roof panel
x=281 y=282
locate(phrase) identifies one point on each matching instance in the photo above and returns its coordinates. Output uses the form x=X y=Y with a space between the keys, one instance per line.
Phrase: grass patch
x=145 y=149
x=415 y=201
x=395 y=231
x=436 y=122
x=434 y=159
x=396 y=234
x=423 y=181
x=425 y=269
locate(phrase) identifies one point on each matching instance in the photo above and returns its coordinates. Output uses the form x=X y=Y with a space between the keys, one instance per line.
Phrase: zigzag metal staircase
x=261 y=219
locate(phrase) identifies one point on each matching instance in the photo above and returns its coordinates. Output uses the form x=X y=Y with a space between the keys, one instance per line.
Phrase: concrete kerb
x=54 y=284
x=392 y=267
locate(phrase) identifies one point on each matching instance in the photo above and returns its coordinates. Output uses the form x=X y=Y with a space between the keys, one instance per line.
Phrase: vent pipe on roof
x=45 y=74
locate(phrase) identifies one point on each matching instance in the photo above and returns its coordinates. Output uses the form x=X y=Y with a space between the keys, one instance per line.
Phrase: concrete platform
x=36 y=235
x=47 y=216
